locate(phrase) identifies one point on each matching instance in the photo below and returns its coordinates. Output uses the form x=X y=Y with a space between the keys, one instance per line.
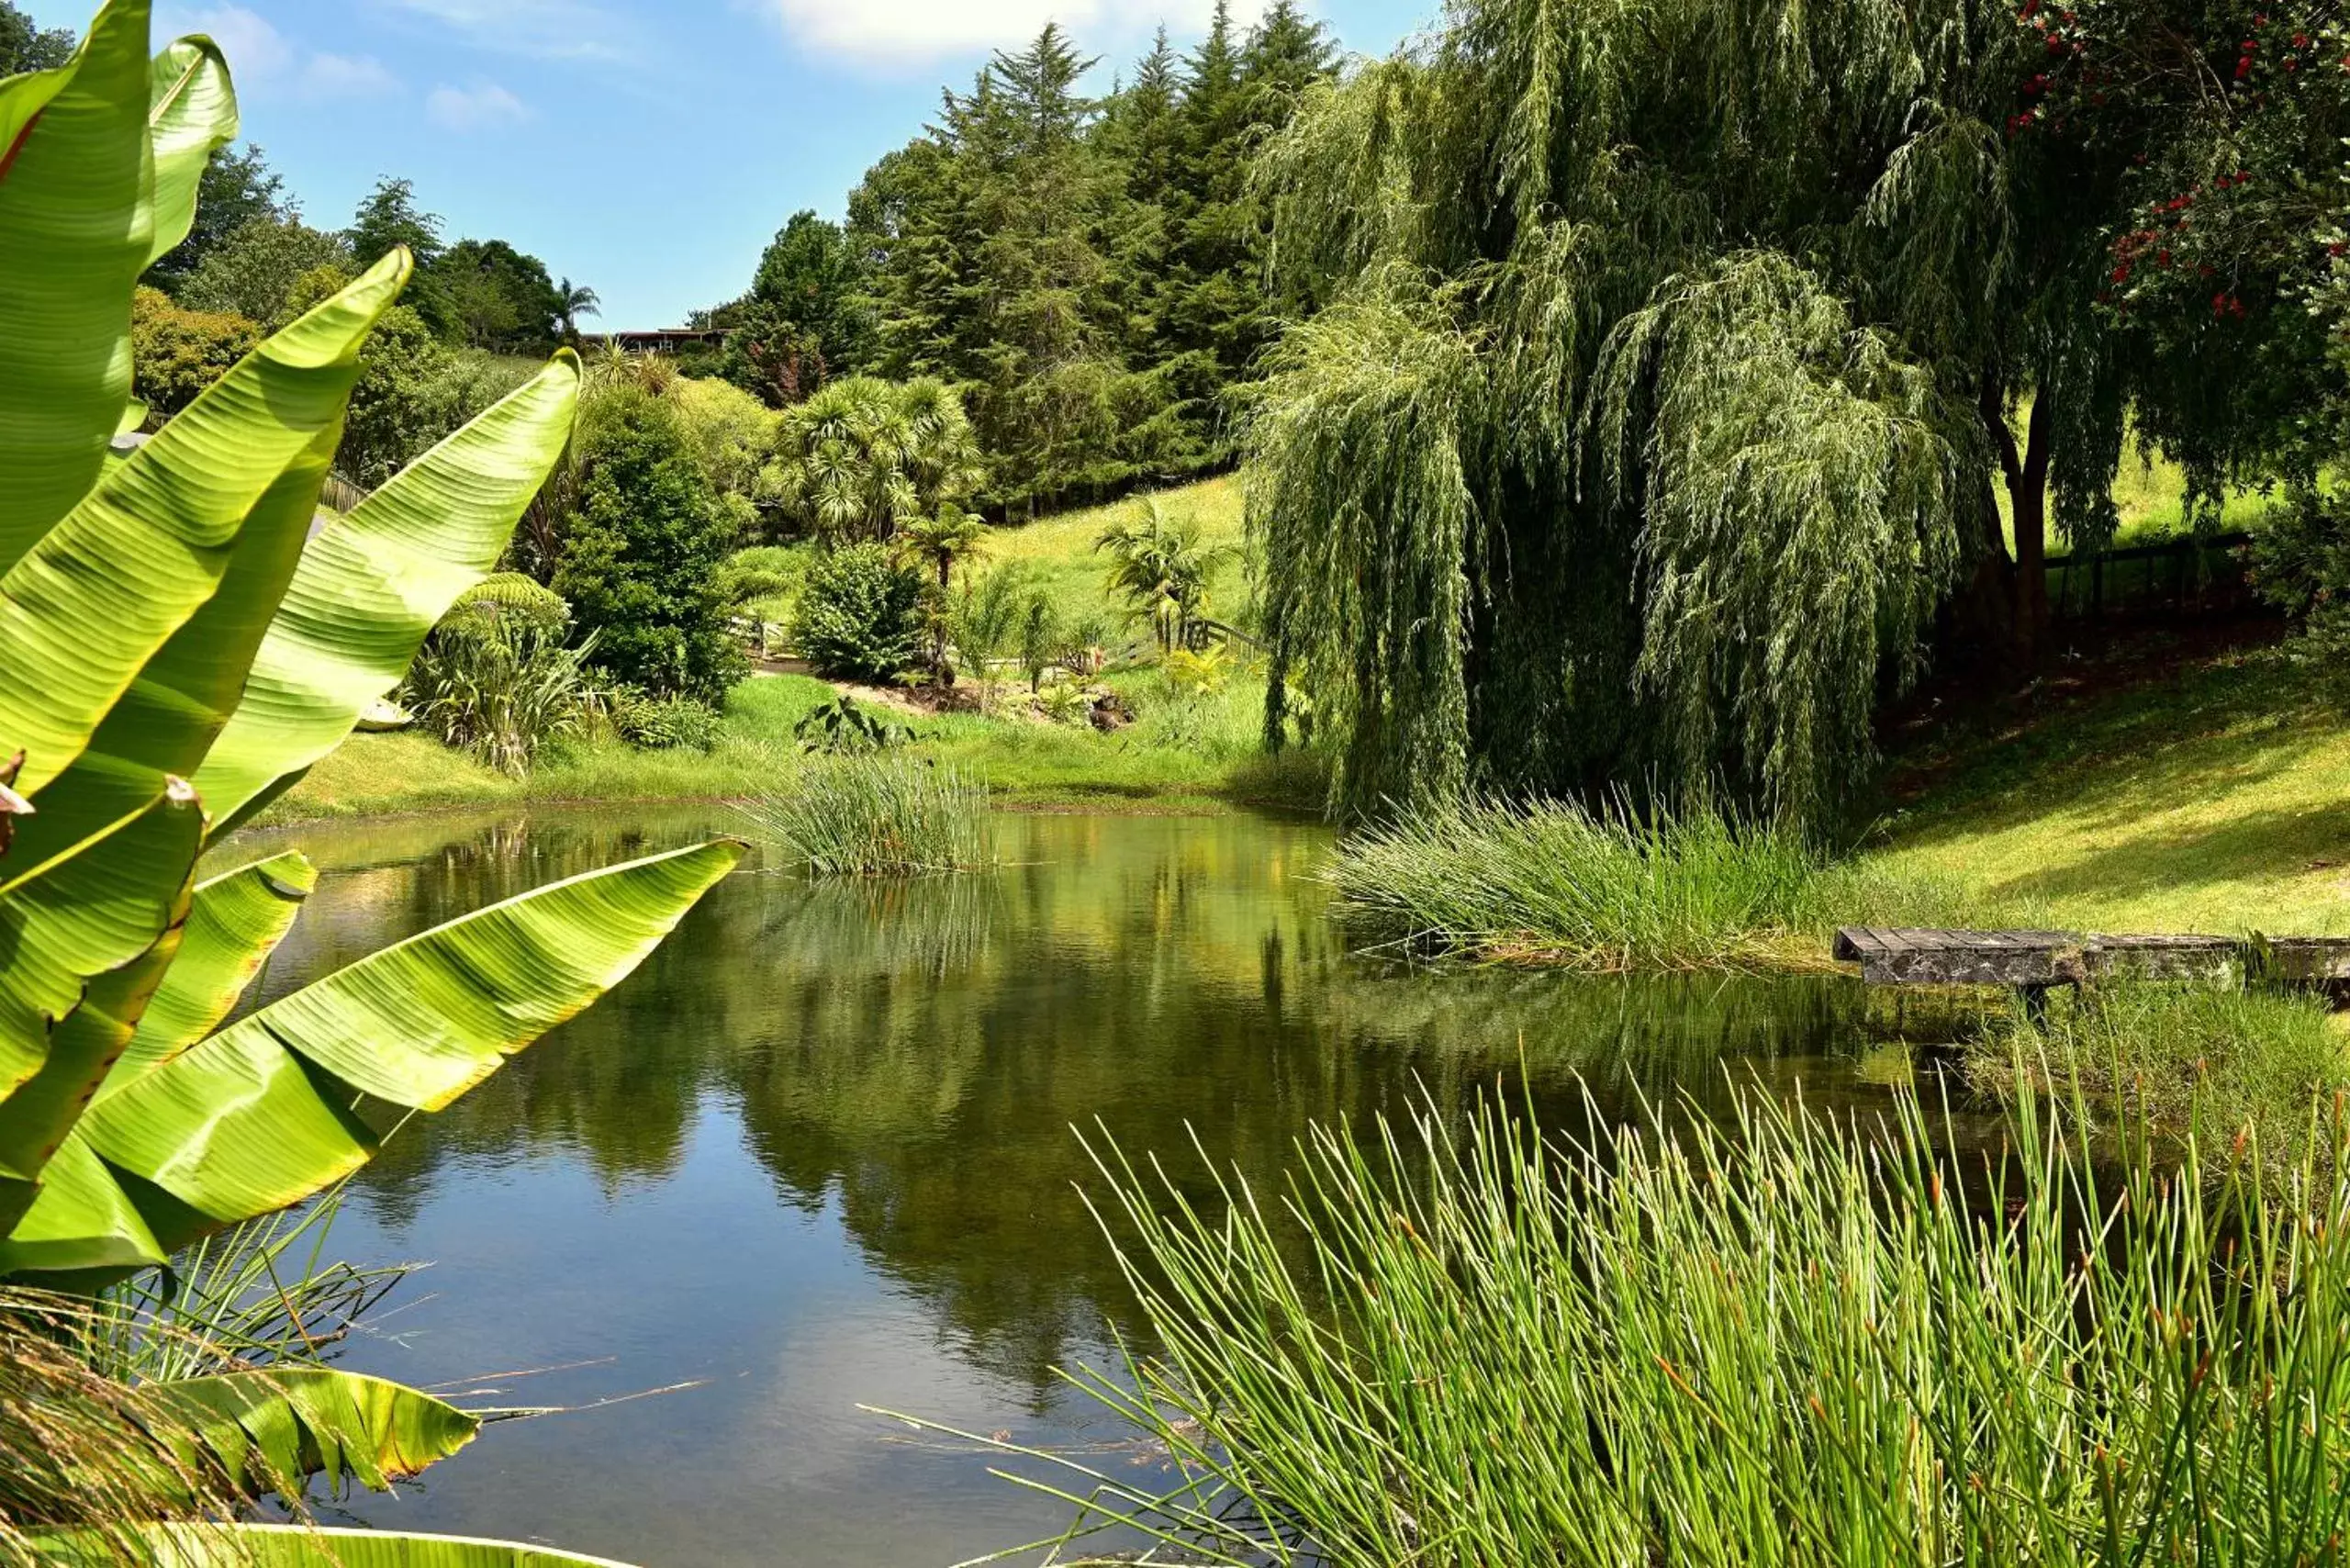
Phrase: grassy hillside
x=1058 y=551
x=2212 y=794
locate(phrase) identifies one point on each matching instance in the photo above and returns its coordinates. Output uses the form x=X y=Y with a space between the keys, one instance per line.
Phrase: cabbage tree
x=177 y=650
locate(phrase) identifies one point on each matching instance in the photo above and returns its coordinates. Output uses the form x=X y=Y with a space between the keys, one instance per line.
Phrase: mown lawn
x=2214 y=797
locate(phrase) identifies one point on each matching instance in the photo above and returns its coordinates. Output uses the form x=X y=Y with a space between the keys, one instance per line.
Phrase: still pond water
x=818 y=1155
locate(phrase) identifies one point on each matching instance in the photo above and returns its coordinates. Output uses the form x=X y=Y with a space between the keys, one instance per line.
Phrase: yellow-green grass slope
x=2214 y=796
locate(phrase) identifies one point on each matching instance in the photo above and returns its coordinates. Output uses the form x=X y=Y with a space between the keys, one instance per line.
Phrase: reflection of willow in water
x=917 y=1054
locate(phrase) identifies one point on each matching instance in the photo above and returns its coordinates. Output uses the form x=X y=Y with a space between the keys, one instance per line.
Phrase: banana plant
x=177 y=650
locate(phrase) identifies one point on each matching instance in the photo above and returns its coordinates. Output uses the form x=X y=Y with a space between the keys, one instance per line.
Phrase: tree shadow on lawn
x=2259 y=848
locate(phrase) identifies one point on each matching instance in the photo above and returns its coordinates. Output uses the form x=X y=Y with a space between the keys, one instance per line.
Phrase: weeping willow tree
x=1671 y=354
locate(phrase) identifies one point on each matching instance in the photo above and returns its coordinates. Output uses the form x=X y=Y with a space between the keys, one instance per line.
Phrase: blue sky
x=645 y=148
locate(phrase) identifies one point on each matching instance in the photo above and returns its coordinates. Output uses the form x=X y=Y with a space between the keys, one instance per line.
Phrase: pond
x=818 y=1154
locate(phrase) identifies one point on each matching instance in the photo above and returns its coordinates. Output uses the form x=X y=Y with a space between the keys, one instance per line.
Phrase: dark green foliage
x=237 y=188
x=389 y=217
x=492 y=297
x=2300 y=564
x=400 y=408
x=1668 y=367
x=1092 y=270
x=860 y=615
x=643 y=550
x=482 y=294
x=805 y=320
x=842 y=728
x=25 y=46
x=662 y=723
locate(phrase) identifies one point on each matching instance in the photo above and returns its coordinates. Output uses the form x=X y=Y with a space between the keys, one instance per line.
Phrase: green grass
x=891 y=814
x=1057 y=552
x=2208 y=796
x=1771 y=1340
x=2205 y=1060
x=1555 y=883
x=1184 y=755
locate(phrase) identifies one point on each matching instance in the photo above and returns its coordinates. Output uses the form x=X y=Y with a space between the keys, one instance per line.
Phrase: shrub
x=842 y=728
x=862 y=455
x=1773 y=1340
x=176 y=352
x=642 y=553
x=662 y=723
x=860 y=615
x=876 y=816
x=494 y=678
x=259 y=271
x=2300 y=564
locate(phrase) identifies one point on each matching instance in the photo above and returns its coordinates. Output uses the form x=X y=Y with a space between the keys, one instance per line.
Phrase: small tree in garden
x=642 y=553
x=1162 y=570
x=937 y=544
x=860 y=615
x=863 y=457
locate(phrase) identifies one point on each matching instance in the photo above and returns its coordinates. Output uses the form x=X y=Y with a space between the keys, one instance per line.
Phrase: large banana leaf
x=292 y=1546
x=236 y=921
x=374 y=582
x=200 y=531
x=76 y=229
x=191 y=114
x=82 y=945
x=273 y=1429
x=260 y=1115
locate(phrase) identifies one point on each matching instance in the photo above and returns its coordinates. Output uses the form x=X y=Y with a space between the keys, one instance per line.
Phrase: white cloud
x=484 y=105
x=897 y=32
x=257 y=51
x=265 y=60
x=548 y=29
x=338 y=78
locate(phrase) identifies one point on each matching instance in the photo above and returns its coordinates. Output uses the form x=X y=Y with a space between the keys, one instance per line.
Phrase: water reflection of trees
x=918 y=1054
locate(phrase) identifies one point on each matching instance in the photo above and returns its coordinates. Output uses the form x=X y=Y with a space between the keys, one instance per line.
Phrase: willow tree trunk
x=2025 y=472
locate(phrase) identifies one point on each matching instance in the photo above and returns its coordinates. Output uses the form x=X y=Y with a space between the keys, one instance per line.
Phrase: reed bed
x=1776 y=1340
x=1611 y=888
x=879 y=816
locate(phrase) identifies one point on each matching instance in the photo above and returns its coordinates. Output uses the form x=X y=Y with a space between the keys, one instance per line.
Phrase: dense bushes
x=641 y=559
x=2300 y=562
x=496 y=679
x=178 y=352
x=860 y=615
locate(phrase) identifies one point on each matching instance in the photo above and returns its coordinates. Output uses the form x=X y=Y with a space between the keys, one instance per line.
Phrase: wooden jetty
x=2037 y=961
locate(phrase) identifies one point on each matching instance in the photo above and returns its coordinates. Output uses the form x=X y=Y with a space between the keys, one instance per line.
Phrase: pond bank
x=1196 y=757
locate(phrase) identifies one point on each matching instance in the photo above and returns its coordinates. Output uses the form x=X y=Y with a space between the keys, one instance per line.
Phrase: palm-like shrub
x=862 y=456
x=1163 y=569
x=497 y=678
x=175 y=651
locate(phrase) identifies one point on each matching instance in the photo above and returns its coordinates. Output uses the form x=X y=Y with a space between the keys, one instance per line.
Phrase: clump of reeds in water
x=1606 y=889
x=879 y=816
x=1776 y=1340
x=2210 y=1061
